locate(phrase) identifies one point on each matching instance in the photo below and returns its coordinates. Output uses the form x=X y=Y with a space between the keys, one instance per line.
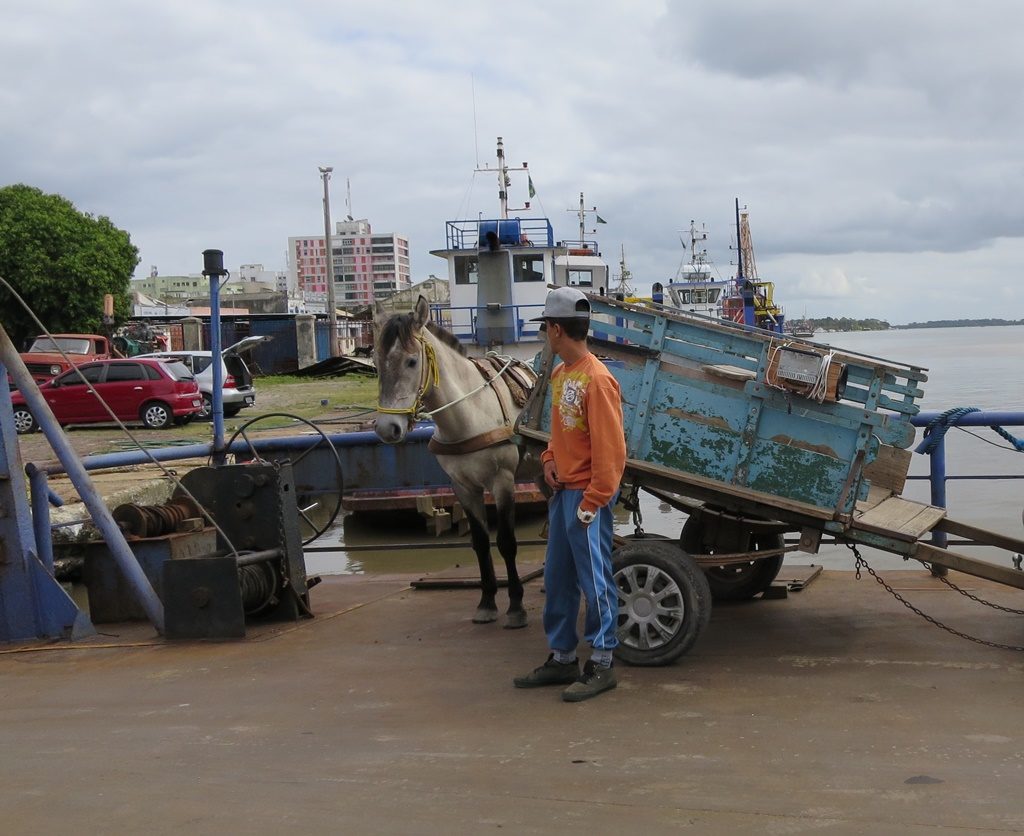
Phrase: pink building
x=367 y=265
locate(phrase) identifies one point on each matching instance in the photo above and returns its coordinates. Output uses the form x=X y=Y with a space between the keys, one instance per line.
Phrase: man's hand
x=551 y=477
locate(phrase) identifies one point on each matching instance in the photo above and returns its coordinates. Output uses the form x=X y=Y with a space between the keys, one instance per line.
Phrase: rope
x=936 y=429
x=1018 y=444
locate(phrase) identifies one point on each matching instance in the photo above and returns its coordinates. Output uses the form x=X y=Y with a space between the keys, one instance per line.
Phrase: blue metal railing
x=465 y=234
x=937 y=476
x=461 y=321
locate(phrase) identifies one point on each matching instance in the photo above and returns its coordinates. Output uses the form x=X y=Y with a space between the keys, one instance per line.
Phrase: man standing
x=583 y=465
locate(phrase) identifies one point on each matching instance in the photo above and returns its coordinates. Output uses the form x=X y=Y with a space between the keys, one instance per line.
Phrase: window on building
x=581 y=278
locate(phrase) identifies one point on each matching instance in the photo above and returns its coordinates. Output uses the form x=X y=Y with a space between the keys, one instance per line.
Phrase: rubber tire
x=736 y=582
x=182 y=420
x=154 y=424
x=669 y=560
x=206 y=412
x=231 y=411
x=27 y=421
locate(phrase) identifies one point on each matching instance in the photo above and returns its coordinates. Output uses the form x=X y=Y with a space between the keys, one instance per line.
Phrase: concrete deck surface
x=835 y=709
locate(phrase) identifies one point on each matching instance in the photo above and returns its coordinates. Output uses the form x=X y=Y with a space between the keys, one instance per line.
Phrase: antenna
x=476 y=140
x=348 y=197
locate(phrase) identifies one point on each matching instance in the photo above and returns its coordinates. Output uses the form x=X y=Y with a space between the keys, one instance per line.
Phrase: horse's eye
x=411 y=362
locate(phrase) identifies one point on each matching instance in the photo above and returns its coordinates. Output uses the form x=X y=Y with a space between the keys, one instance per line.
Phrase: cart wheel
x=735 y=581
x=664 y=602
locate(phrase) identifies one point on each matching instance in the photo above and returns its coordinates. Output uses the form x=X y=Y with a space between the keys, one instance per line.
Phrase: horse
x=423 y=370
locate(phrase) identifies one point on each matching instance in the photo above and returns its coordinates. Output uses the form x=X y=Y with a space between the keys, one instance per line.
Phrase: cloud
x=872 y=142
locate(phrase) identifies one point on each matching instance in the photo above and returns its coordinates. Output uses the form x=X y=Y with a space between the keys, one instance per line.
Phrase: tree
x=62 y=262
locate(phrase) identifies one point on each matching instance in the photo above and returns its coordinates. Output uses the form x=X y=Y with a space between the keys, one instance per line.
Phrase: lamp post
x=332 y=311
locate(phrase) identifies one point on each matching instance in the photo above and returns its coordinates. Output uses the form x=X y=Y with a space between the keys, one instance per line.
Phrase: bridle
x=430 y=377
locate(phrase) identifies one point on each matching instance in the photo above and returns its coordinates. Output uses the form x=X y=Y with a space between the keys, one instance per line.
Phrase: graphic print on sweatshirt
x=572 y=389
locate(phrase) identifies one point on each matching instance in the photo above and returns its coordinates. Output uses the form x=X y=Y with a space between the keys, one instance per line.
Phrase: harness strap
x=471 y=445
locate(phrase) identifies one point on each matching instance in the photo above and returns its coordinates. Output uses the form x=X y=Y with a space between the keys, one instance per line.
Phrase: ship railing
x=532 y=232
x=462 y=321
x=937 y=476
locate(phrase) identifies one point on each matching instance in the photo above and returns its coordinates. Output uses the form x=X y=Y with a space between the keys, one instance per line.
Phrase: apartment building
x=367 y=265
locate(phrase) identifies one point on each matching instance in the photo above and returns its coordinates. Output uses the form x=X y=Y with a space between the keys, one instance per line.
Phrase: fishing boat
x=802 y=328
x=744 y=299
x=500 y=269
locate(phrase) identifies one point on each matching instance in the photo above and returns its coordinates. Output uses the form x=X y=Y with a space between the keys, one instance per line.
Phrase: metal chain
x=981 y=601
x=861 y=562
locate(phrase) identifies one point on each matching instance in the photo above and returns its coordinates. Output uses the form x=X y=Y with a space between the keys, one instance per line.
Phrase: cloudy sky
x=877 y=145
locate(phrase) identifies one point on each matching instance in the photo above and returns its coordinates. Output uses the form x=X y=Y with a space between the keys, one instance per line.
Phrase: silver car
x=238 y=390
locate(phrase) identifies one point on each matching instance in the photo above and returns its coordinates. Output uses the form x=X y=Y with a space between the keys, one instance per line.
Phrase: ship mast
x=582 y=213
x=624 y=275
x=504 y=180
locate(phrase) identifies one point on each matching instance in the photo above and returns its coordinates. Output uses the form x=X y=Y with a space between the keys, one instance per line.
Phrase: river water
x=979 y=367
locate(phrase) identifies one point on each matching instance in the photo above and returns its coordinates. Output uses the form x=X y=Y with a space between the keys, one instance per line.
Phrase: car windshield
x=71 y=345
x=178 y=370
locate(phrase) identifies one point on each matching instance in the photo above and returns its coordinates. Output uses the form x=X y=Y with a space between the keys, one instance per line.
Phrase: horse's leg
x=472 y=500
x=505 y=503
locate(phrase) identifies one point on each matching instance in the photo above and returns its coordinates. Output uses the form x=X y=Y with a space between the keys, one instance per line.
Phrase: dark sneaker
x=594 y=680
x=550 y=673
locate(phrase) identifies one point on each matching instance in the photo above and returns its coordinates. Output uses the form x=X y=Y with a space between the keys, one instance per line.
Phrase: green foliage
x=844 y=323
x=62 y=262
x=961 y=323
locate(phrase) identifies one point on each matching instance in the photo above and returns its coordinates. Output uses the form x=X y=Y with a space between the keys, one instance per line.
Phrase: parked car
x=238 y=390
x=155 y=392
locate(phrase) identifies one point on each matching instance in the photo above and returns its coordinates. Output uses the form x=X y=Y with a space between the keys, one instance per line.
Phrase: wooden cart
x=754 y=435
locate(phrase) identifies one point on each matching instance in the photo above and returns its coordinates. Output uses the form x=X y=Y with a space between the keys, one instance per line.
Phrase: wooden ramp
x=898 y=518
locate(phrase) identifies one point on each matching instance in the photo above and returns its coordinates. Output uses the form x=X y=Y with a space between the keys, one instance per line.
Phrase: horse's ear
x=422 y=311
x=379 y=313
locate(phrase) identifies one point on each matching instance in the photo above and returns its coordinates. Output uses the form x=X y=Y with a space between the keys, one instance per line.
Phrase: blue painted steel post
x=101 y=515
x=213 y=267
x=937 y=481
x=39 y=482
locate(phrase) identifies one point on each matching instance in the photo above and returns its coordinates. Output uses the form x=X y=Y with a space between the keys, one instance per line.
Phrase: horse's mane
x=401 y=328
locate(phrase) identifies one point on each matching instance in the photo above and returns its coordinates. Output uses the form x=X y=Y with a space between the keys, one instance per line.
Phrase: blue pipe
x=41 y=493
x=101 y=515
x=422 y=432
x=218 y=371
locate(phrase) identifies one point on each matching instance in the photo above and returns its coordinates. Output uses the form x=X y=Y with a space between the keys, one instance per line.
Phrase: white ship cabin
x=499 y=273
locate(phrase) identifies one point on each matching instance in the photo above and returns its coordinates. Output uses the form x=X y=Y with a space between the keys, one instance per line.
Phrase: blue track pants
x=579 y=562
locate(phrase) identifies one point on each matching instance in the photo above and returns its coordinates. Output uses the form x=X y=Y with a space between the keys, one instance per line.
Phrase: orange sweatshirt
x=587 y=442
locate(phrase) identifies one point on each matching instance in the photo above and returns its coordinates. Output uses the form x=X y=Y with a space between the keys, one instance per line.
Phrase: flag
x=601 y=220
x=533 y=191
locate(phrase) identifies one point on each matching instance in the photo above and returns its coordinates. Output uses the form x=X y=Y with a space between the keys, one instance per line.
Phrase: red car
x=156 y=392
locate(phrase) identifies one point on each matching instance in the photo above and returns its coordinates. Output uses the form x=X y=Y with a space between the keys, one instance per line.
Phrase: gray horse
x=423 y=370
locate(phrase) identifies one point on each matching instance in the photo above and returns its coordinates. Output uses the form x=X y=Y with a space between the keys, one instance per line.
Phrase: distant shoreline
x=958 y=323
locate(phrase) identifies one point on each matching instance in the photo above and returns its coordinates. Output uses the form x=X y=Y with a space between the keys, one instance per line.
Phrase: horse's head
x=404 y=370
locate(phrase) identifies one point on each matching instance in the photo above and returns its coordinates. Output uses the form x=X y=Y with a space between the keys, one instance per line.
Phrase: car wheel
x=231 y=411
x=24 y=423
x=206 y=412
x=156 y=415
x=182 y=420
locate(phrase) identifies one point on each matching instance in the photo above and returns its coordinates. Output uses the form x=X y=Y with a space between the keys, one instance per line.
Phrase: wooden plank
x=981 y=536
x=900 y=518
x=876 y=495
x=729 y=372
x=969 y=565
x=889 y=468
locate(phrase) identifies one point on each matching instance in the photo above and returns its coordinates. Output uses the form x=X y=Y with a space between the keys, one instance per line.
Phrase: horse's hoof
x=515 y=620
x=483 y=616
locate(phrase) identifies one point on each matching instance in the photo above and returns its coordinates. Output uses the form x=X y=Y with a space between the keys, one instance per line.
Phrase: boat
x=500 y=270
x=802 y=328
x=744 y=299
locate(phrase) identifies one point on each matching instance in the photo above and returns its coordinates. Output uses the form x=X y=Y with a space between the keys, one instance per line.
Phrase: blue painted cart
x=753 y=434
